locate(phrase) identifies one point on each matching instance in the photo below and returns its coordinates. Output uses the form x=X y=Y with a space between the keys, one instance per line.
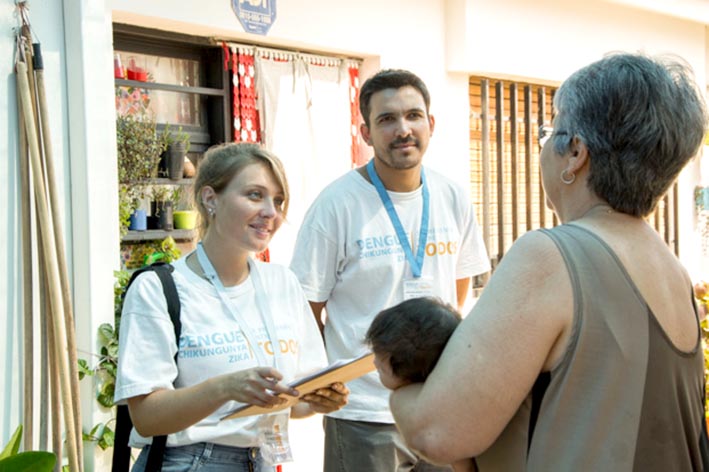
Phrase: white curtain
x=305 y=121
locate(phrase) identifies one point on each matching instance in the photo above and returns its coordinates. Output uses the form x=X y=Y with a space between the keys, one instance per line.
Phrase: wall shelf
x=153 y=234
x=166 y=181
x=218 y=92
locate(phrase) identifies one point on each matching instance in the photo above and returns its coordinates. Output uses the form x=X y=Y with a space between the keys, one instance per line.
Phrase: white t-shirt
x=347 y=253
x=211 y=344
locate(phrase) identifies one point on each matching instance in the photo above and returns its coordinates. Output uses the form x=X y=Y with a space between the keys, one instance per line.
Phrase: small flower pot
x=136 y=69
x=138 y=221
x=176 y=160
x=153 y=222
x=185 y=219
x=165 y=215
x=138 y=74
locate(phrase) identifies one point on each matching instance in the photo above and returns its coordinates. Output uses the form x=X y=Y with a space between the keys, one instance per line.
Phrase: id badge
x=418 y=287
x=273 y=435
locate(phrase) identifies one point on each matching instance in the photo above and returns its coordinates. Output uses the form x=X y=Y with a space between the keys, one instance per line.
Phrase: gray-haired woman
x=584 y=351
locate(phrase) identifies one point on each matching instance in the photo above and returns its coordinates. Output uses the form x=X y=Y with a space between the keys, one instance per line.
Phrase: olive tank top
x=623 y=397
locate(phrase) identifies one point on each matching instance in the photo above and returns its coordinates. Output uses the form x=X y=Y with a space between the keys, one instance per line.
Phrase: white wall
x=550 y=39
x=91 y=137
x=10 y=249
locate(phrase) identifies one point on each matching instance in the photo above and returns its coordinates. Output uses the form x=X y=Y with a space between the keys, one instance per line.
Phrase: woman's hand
x=256 y=386
x=328 y=399
x=168 y=411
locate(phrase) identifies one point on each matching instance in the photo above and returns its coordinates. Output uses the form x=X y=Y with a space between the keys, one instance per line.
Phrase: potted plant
x=185 y=216
x=138 y=219
x=161 y=208
x=176 y=197
x=12 y=459
x=177 y=145
x=125 y=208
x=138 y=148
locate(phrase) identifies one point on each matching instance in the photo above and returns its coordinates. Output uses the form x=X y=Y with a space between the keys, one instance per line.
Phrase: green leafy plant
x=11 y=460
x=160 y=193
x=104 y=371
x=154 y=251
x=139 y=148
x=169 y=137
x=176 y=198
x=128 y=201
x=119 y=287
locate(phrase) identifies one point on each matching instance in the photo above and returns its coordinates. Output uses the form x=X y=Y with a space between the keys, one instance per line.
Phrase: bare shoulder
x=534 y=253
x=530 y=287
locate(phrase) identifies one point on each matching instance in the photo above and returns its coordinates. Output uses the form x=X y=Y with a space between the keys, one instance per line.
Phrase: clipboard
x=340 y=371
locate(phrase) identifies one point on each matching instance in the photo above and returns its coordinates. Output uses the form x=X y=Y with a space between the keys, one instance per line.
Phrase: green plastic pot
x=185 y=219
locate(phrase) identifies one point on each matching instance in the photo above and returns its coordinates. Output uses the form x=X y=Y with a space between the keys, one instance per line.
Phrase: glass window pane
x=158 y=69
x=164 y=106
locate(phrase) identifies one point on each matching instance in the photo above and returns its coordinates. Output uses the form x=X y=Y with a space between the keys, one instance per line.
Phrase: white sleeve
x=473 y=258
x=316 y=254
x=147 y=344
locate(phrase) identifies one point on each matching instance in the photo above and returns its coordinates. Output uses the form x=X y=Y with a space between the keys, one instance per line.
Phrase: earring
x=210 y=211
x=568 y=180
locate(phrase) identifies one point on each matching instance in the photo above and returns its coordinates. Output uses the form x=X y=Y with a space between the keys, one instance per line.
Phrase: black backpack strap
x=124 y=424
x=121 y=450
x=156 y=453
x=164 y=271
x=169 y=289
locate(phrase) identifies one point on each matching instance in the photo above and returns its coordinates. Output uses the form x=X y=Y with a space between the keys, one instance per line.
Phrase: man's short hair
x=389 y=79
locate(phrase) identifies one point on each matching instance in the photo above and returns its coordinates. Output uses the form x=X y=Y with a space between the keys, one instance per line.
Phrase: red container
x=138 y=74
x=136 y=69
x=118 y=72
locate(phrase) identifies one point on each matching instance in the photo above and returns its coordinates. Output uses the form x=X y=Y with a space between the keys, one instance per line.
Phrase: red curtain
x=246 y=121
x=354 y=112
x=247 y=127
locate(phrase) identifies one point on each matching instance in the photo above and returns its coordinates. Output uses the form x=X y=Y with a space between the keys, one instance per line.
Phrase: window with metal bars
x=505 y=183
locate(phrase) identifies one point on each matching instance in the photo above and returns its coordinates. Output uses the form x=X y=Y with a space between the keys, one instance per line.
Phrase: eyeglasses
x=546 y=132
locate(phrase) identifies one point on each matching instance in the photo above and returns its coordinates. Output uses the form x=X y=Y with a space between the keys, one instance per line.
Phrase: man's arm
x=462 y=287
x=317 y=308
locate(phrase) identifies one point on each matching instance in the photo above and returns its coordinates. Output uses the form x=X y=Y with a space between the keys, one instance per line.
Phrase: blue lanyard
x=261 y=304
x=417 y=263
